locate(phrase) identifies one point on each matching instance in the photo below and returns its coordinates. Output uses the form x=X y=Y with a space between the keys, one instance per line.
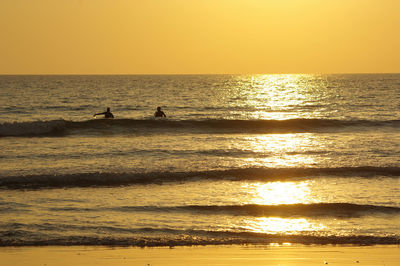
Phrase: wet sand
x=202 y=255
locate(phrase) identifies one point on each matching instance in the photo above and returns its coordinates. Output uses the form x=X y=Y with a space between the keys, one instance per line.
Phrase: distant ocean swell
x=171 y=237
x=284 y=210
x=231 y=152
x=99 y=179
x=116 y=126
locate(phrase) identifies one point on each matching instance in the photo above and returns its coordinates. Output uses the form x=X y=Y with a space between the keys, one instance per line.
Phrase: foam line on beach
x=174 y=237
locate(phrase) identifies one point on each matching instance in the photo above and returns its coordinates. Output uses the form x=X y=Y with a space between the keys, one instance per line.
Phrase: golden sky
x=199 y=36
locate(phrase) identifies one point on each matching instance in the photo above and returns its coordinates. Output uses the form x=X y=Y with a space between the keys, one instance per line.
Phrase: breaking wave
x=151 y=126
x=153 y=237
x=36 y=128
x=284 y=210
x=99 y=179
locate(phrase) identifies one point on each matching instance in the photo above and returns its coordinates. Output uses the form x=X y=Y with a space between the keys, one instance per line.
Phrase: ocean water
x=240 y=159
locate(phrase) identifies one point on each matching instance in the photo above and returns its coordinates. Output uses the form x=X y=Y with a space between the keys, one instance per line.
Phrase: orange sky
x=199 y=36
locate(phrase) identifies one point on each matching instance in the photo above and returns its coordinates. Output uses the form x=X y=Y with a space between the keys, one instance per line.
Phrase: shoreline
x=273 y=254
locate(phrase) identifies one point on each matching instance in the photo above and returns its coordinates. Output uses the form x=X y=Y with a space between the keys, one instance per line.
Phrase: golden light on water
x=275 y=193
x=277 y=92
x=281 y=225
x=276 y=142
x=280 y=150
x=283 y=150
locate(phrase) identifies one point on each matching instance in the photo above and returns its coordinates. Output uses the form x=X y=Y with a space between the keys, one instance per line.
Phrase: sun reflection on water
x=279 y=193
x=284 y=150
x=274 y=193
x=285 y=93
x=281 y=225
x=270 y=93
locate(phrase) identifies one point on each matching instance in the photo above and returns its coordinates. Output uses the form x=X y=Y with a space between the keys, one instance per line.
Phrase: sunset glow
x=199 y=132
x=176 y=36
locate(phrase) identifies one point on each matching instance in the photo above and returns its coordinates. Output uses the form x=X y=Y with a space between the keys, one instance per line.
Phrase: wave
x=341 y=210
x=35 y=128
x=231 y=152
x=153 y=237
x=99 y=179
x=152 y=126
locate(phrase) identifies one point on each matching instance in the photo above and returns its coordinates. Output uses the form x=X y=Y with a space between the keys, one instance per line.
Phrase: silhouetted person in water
x=107 y=114
x=159 y=113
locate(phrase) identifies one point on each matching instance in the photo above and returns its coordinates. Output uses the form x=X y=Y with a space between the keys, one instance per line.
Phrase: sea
x=239 y=159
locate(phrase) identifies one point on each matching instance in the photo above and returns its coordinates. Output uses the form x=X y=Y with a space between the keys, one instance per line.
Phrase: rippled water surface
x=239 y=159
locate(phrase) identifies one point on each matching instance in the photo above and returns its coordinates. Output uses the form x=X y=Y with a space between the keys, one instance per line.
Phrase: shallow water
x=239 y=159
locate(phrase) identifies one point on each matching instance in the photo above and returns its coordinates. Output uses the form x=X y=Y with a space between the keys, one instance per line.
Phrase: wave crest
x=172 y=237
x=35 y=128
x=57 y=127
x=123 y=179
x=283 y=210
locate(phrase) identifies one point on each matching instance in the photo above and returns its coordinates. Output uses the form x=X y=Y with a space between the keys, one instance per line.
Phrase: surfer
x=107 y=114
x=159 y=113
